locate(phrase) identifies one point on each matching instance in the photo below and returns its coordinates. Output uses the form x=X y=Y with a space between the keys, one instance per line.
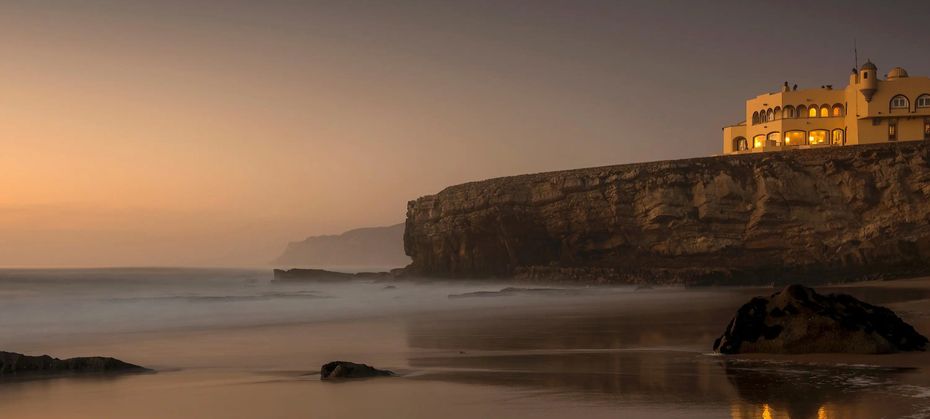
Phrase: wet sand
x=642 y=354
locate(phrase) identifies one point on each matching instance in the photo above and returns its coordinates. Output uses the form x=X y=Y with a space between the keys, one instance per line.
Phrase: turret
x=868 y=80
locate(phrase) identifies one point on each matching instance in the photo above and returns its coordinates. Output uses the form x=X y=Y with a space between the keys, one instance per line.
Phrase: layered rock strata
x=830 y=214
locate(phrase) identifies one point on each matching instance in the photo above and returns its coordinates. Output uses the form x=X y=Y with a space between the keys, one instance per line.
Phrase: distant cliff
x=828 y=214
x=364 y=247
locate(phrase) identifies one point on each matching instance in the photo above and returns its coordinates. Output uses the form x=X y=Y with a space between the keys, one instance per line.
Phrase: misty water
x=230 y=343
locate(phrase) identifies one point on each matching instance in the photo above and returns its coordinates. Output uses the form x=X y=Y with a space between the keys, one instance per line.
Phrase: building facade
x=869 y=110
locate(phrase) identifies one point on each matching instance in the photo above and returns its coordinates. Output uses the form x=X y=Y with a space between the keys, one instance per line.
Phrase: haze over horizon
x=209 y=133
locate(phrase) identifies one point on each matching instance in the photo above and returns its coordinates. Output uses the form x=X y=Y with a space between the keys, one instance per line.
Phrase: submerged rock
x=799 y=320
x=298 y=275
x=12 y=363
x=345 y=369
x=513 y=291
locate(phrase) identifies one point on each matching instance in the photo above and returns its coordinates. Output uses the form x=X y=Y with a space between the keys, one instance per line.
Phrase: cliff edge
x=830 y=214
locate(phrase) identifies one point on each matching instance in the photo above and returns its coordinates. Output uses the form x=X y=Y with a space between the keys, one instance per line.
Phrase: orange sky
x=213 y=132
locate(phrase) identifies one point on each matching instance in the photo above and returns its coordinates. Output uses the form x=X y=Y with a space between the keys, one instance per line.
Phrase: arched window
x=755 y=118
x=740 y=144
x=837 y=110
x=817 y=136
x=795 y=138
x=788 y=112
x=802 y=111
x=923 y=101
x=812 y=111
x=838 y=137
x=900 y=102
x=770 y=115
x=824 y=111
x=758 y=141
x=773 y=139
x=777 y=112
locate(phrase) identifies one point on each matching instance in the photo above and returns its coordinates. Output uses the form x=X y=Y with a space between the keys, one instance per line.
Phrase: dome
x=869 y=66
x=897 y=73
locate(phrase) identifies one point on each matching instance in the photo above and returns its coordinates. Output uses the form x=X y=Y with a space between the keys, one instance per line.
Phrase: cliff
x=828 y=214
x=363 y=247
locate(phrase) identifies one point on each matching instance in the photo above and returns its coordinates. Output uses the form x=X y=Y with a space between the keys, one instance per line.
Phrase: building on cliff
x=869 y=110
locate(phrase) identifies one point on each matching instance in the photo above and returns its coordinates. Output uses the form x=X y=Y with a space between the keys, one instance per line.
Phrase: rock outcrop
x=14 y=364
x=829 y=214
x=381 y=247
x=799 y=320
x=345 y=369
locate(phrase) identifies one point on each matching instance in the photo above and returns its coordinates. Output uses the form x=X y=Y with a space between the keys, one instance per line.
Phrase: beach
x=230 y=344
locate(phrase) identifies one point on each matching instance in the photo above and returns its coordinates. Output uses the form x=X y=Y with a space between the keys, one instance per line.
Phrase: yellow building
x=869 y=110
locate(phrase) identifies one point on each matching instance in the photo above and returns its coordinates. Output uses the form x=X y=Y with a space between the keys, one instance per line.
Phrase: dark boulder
x=344 y=369
x=18 y=364
x=799 y=320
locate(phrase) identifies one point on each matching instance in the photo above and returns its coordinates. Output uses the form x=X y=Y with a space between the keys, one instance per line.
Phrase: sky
x=211 y=133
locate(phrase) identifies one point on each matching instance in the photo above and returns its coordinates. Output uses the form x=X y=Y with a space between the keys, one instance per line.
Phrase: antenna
x=855 y=54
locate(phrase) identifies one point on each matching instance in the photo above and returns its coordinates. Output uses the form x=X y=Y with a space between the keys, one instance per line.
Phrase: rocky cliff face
x=826 y=214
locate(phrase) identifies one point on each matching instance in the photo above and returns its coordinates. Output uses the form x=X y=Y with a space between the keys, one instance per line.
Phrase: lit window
x=837 y=110
x=824 y=111
x=923 y=101
x=899 y=102
x=817 y=137
x=838 y=137
x=795 y=138
x=758 y=141
x=892 y=130
x=812 y=112
x=774 y=138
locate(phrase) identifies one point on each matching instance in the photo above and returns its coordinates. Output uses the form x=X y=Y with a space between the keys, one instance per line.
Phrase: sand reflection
x=645 y=357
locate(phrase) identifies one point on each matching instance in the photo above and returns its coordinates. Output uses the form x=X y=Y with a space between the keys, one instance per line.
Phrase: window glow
x=812 y=112
x=758 y=141
x=824 y=111
x=795 y=138
x=838 y=137
x=817 y=137
x=774 y=138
